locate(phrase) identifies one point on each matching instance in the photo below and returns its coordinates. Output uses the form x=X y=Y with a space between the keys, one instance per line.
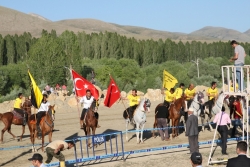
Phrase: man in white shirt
x=37 y=160
x=44 y=107
x=87 y=101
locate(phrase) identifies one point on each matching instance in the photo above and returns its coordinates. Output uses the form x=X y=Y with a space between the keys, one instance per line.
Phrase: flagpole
x=76 y=97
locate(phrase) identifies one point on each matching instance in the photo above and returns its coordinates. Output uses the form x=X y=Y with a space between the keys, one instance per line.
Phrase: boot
x=62 y=163
x=38 y=130
x=81 y=123
x=98 y=126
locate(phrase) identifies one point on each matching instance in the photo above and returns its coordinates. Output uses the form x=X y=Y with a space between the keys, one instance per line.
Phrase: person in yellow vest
x=169 y=97
x=232 y=86
x=134 y=100
x=18 y=107
x=212 y=94
x=190 y=93
x=179 y=91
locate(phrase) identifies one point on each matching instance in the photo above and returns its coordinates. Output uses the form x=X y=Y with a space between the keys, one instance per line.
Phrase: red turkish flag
x=113 y=93
x=81 y=85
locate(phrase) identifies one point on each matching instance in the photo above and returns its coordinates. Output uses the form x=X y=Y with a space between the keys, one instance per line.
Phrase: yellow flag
x=36 y=94
x=168 y=80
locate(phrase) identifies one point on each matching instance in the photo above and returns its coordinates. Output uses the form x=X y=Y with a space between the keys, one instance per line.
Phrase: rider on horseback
x=169 y=97
x=18 y=107
x=134 y=100
x=87 y=100
x=212 y=94
x=44 y=107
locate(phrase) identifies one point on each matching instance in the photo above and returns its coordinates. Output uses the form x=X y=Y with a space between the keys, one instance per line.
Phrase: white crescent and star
x=115 y=87
x=79 y=79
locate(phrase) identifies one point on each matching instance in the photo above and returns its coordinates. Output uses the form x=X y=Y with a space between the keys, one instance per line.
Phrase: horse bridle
x=50 y=116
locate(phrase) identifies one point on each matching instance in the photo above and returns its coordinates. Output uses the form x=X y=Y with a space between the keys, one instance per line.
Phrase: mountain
x=221 y=33
x=15 y=22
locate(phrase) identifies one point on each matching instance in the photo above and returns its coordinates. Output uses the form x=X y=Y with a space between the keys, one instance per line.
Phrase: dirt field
x=67 y=126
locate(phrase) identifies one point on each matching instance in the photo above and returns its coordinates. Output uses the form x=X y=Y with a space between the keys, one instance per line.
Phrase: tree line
x=133 y=63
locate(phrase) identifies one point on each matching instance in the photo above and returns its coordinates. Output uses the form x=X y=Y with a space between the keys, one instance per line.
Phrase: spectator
x=196 y=159
x=222 y=119
x=242 y=159
x=55 y=148
x=44 y=91
x=47 y=88
x=37 y=160
x=57 y=87
x=162 y=115
x=237 y=116
x=192 y=131
x=64 y=90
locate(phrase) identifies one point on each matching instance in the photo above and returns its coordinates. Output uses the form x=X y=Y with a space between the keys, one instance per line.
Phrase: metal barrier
x=106 y=145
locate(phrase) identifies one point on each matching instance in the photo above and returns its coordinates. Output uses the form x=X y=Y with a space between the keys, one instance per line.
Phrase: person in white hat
x=192 y=131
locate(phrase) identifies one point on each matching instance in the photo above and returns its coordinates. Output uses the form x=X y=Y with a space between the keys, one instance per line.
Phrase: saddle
x=17 y=115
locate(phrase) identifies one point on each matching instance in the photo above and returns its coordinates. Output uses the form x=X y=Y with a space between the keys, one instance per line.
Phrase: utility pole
x=197 y=63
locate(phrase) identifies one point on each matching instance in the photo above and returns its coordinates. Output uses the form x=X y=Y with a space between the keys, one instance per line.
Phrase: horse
x=90 y=120
x=215 y=109
x=196 y=105
x=46 y=125
x=175 y=114
x=9 y=118
x=139 y=118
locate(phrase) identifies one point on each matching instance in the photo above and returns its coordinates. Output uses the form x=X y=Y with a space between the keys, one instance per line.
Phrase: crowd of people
x=222 y=119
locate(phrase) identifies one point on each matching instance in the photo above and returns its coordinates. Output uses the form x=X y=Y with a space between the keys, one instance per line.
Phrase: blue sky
x=168 y=15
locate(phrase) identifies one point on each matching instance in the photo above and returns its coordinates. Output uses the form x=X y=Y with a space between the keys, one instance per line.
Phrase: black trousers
x=39 y=117
x=222 y=129
x=84 y=112
x=131 y=110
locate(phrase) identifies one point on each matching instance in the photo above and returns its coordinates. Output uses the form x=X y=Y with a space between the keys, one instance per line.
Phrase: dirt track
x=67 y=126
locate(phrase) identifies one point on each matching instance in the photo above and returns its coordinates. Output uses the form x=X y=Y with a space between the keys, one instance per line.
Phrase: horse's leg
x=142 y=127
x=23 y=130
x=210 y=126
x=3 y=130
x=88 y=133
x=173 y=128
x=50 y=136
x=137 y=133
x=202 y=123
x=43 y=134
x=127 y=122
x=9 y=131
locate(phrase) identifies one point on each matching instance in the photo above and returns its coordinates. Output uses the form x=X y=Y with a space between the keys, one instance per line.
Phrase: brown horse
x=90 y=121
x=46 y=125
x=9 y=118
x=155 y=123
x=175 y=114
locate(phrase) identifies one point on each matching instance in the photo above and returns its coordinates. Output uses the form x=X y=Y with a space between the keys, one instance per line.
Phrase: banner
x=113 y=93
x=168 y=80
x=81 y=85
x=36 y=94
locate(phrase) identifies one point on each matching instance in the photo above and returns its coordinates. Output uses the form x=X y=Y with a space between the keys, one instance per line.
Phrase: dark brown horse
x=46 y=125
x=9 y=118
x=90 y=121
x=175 y=114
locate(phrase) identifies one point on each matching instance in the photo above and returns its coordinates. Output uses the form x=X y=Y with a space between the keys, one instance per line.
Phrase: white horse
x=196 y=106
x=216 y=109
x=139 y=118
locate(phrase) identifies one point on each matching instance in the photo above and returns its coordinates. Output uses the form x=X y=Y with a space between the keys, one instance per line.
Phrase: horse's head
x=219 y=103
x=52 y=112
x=200 y=97
x=146 y=105
x=94 y=105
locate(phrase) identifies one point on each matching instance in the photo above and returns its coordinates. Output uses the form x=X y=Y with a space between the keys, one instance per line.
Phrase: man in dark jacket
x=192 y=131
x=162 y=115
x=242 y=159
